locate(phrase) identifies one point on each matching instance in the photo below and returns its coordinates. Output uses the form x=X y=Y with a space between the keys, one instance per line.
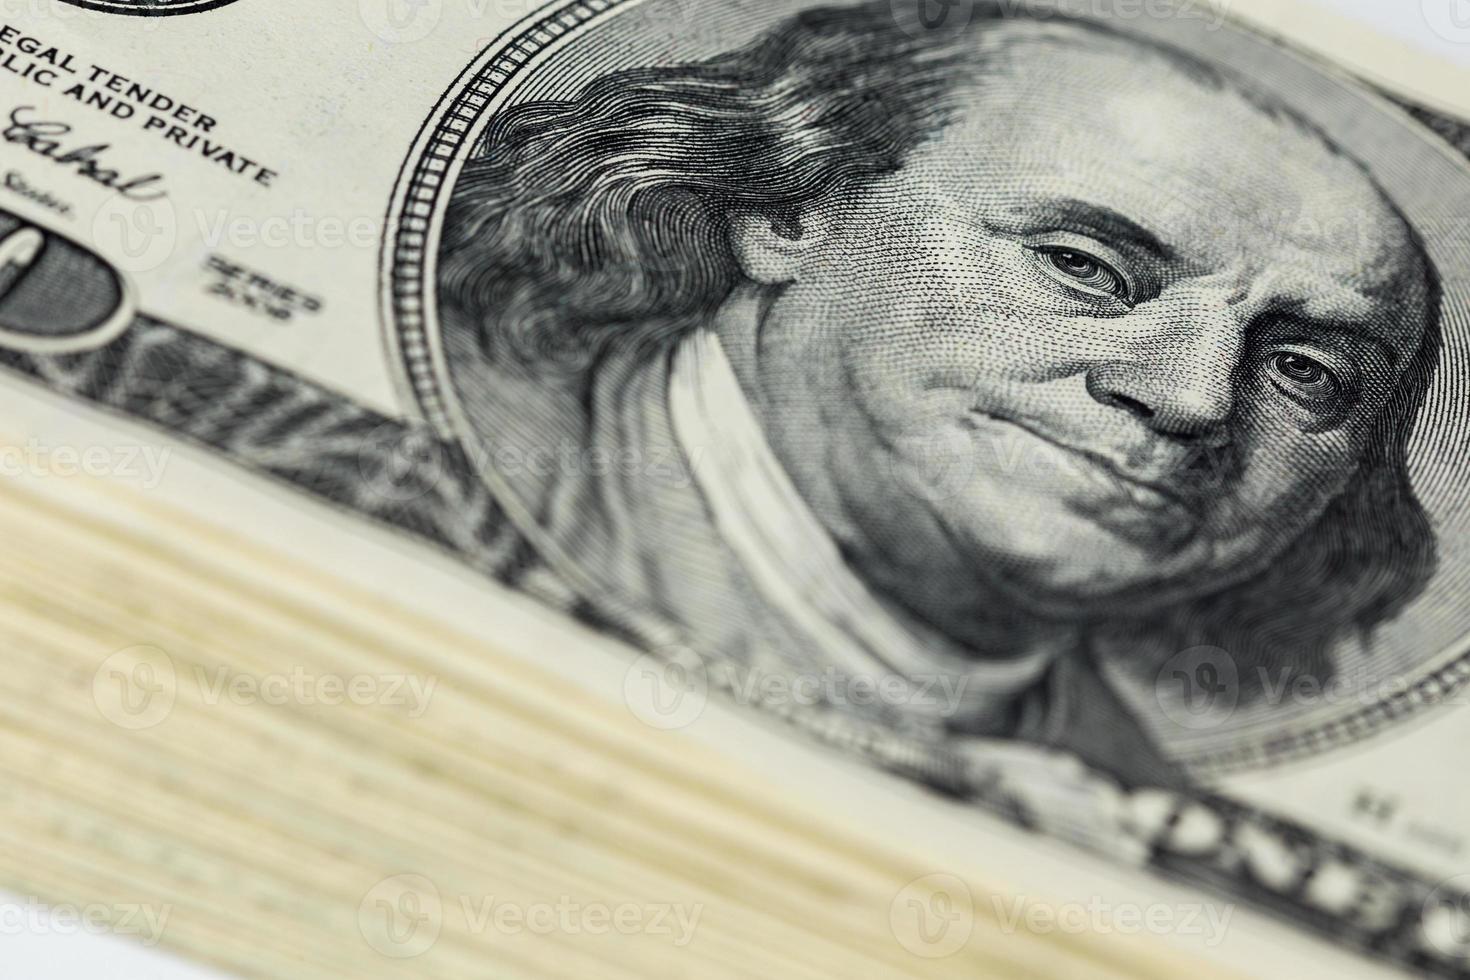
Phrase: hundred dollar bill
x=1059 y=404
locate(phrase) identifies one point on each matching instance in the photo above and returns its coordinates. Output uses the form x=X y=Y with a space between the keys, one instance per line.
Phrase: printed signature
x=41 y=137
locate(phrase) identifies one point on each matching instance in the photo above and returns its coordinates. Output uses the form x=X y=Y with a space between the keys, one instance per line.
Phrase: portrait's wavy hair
x=602 y=221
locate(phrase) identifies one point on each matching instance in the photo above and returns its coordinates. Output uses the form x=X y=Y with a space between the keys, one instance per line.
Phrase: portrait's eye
x=1304 y=377
x=1080 y=270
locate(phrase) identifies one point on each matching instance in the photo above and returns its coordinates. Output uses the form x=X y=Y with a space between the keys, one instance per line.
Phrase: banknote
x=1059 y=404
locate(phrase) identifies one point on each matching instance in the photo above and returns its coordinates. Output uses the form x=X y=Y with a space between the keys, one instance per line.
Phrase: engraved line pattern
x=406 y=316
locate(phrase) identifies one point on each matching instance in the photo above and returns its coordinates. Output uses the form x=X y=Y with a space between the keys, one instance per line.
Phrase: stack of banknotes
x=756 y=488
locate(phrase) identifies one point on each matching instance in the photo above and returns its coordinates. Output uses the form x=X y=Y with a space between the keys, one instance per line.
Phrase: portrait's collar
x=791 y=559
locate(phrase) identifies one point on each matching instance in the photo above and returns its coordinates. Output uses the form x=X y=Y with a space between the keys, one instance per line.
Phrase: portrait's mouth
x=1135 y=508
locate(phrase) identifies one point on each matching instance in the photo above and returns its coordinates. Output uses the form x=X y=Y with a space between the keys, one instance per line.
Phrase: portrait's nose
x=1178 y=372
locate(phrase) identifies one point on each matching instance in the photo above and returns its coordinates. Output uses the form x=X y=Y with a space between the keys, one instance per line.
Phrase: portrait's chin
x=1072 y=543
x=1058 y=562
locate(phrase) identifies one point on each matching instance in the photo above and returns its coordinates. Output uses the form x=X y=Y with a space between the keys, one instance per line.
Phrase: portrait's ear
x=770 y=250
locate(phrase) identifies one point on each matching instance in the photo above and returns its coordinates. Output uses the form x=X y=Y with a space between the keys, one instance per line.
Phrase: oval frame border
x=407 y=304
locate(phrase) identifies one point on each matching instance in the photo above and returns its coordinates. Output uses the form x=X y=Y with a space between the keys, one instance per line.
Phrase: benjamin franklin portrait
x=1028 y=352
x=947 y=388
